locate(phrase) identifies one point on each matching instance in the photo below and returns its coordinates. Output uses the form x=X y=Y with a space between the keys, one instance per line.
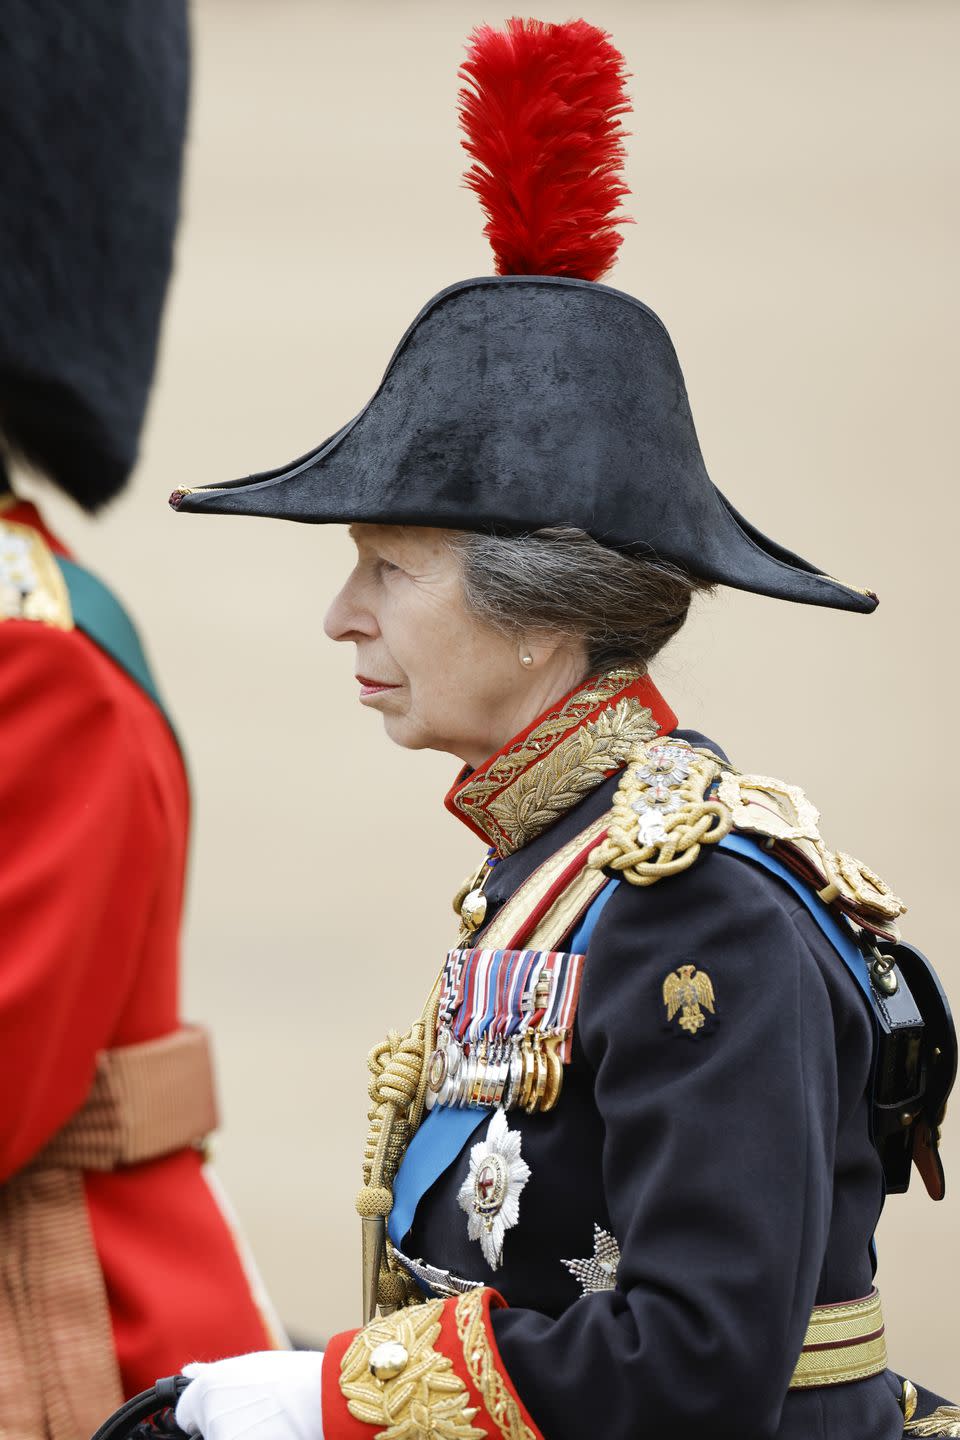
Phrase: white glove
x=269 y=1395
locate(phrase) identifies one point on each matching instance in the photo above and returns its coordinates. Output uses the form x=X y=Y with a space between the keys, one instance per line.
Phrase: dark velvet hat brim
x=519 y=402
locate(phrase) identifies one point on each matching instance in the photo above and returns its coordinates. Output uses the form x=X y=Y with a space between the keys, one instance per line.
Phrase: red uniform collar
x=559 y=758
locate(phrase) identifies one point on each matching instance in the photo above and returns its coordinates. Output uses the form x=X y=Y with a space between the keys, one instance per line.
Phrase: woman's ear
x=546 y=652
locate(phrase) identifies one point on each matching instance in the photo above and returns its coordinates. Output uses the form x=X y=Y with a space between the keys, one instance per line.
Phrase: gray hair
x=624 y=608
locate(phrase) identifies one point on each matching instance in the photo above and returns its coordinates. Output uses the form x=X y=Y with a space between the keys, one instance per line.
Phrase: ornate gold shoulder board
x=674 y=798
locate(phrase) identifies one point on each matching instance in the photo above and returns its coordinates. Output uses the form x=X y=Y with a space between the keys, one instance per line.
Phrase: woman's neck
x=543 y=691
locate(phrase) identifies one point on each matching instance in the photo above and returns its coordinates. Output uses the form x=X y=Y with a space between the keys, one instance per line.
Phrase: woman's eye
x=387 y=567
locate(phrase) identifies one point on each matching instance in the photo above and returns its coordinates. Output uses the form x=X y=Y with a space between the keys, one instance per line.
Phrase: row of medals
x=522 y=1071
x=515 y=1072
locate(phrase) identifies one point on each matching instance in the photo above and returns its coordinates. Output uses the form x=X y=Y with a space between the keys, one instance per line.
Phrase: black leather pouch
x=915 y=1067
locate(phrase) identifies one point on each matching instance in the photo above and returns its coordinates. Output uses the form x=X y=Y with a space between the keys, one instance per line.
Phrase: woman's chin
x=398 y=729
x=408 y=734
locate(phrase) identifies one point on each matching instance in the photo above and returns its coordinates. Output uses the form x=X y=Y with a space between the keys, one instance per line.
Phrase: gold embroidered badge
x=687 y=989
x=393 y=1378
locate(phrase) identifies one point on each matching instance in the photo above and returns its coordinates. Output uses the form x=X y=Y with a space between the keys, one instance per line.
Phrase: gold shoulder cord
x=398 y=1082
x=660 y=815
x=398 y=1065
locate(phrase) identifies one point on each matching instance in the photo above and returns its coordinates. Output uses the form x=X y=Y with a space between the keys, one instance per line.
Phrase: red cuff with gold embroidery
x=434 y=1368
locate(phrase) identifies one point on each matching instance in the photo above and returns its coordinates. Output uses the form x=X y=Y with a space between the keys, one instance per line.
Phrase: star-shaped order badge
x=490 y=1195
x=599 y=1270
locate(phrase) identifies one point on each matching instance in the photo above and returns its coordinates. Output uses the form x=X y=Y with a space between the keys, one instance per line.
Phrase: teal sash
x=99 y=614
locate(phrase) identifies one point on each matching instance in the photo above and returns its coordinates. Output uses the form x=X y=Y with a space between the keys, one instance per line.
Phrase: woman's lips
x=373 y=687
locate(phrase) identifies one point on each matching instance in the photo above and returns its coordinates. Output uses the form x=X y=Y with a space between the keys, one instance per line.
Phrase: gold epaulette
x=674 y=798
x=32 y=586
x=782 y=815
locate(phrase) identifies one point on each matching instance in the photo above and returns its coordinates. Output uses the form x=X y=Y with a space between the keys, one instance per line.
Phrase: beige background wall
x=793 y=168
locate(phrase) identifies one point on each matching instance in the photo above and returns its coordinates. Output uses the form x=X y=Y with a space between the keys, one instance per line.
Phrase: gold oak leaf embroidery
x=427 y=1400
x=574 y=767
x=945 y=1421
x=687 y=989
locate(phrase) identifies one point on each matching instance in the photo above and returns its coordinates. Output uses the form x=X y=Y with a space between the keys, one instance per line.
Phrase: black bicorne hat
x=521 y=401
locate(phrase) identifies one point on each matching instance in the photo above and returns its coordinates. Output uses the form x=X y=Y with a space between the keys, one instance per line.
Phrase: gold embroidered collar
x=552 y=765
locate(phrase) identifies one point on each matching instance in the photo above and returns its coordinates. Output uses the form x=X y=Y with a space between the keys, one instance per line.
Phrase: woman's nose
x=347 y=617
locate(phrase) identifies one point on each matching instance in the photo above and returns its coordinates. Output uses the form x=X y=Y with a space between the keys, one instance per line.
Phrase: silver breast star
x=598 y=1271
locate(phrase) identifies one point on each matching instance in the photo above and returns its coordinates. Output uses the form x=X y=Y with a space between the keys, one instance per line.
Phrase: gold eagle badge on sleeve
x=687 y=989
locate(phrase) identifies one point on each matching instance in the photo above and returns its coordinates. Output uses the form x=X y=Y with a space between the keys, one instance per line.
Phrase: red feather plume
x=541 y=109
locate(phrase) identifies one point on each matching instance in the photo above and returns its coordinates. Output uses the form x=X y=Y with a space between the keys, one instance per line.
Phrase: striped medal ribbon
x=504 y=1028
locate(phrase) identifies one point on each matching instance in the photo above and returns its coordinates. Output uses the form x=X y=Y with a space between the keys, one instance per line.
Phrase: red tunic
x=94 y=817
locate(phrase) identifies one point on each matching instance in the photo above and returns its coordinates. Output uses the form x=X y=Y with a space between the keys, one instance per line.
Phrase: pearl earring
x=526 y=658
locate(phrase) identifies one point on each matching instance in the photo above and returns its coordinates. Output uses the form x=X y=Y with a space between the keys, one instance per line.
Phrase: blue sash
x=832 y=926
x=836 y=930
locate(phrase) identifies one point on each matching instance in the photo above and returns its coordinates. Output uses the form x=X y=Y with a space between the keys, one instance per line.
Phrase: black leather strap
x=162 y=1396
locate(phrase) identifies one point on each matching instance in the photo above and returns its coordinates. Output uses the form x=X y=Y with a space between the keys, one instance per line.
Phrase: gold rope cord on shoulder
x=398 y=1081
x=660 y=816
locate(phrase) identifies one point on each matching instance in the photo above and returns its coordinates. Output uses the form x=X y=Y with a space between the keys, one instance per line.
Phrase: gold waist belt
x=59 y=1376
x=843 y=1342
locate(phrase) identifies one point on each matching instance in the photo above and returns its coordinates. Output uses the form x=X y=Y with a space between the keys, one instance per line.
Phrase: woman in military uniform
x=624 y=1172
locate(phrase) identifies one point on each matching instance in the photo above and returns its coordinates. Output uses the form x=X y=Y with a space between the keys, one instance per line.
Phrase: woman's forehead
x=405 y=539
